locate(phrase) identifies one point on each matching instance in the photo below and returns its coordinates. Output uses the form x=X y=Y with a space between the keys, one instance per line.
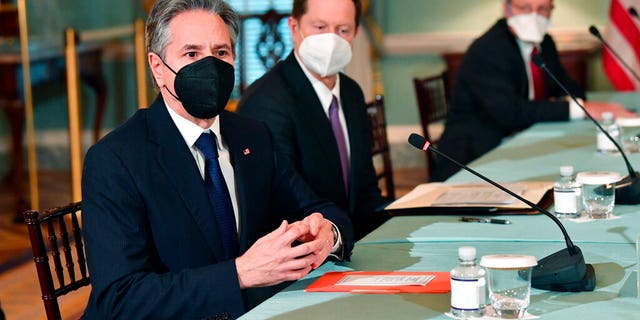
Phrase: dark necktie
x=537 y=77
x=219 y=194
x=334 y=118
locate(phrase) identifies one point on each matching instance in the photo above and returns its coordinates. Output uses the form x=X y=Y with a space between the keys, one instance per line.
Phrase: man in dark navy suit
x=188 y=212
x=318 y=115
x=498 y=91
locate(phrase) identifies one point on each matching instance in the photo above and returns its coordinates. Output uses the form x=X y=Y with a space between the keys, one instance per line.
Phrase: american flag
x=623 y=35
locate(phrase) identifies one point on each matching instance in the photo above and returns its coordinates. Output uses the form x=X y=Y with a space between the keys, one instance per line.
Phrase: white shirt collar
x=191 y=132
x=525 y=51
x=324 y=94
x=526 y=48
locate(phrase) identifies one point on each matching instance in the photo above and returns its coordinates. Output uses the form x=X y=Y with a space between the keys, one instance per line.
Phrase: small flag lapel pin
x=246 y=151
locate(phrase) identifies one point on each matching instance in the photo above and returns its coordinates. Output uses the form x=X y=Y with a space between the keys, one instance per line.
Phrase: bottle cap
x=598 y=177
x=508 y=261
x=566 y=171
x=467 y=253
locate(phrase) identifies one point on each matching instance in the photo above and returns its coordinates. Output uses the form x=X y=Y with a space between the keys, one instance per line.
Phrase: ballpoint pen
x=485 y=220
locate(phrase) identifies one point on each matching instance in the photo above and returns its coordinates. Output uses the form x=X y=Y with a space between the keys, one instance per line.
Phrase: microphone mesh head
x=417 y=140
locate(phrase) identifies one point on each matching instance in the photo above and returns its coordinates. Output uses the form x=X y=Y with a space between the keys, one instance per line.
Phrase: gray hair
x=158 y=33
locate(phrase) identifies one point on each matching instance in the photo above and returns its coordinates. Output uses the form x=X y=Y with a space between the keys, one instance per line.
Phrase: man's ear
x=157 y=68
x=293 y=25
x=296 y=34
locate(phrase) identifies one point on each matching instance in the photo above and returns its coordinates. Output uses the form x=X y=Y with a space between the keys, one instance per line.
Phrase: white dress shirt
x=575 y=112
x=325 y=95
x=190 y=133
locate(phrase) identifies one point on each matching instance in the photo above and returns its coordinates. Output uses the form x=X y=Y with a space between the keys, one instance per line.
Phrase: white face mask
x=325 y=54
x=529 y=27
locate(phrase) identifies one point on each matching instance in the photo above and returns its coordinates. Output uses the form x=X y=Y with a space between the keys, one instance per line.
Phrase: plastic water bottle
x=608 y=123
x=468 y=286
x=567 y=201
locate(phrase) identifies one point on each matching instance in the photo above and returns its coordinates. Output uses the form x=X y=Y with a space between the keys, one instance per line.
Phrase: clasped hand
x=274 y=259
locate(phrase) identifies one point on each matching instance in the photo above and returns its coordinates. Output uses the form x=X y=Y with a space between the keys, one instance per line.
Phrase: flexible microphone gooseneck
x=594 y=31
x=562 y=271
x=627 y=189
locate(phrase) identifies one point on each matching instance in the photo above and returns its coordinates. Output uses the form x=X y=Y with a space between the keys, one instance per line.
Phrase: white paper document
x=471 y=195
x=385 y=280
x=439 y=194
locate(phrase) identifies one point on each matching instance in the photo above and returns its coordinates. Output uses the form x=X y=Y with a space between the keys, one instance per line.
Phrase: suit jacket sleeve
x=492 y=72
x=550 y=54
x=270 y=110
x=289 y=194
x=127 y=278
x=490 y=83
x=292 y=193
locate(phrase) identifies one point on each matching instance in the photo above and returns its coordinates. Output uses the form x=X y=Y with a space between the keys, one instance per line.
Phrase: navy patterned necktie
x=219 y=194
x=334 y=118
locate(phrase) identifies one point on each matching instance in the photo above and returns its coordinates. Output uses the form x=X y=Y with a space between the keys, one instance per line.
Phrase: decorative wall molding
x=446 y=42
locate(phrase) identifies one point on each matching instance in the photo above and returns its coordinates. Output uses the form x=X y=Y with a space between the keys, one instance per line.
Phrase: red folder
x=327 y=283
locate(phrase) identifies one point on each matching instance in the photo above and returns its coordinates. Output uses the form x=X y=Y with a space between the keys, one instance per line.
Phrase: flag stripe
x=623 y=35
x=617 y=73
x=621 y=18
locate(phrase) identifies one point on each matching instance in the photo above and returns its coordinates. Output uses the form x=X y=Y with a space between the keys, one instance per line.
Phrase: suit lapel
x=311 y=112
x=311 y=108
x=350 y=104
x=175 y=160
x=515 y=56
x=248 y=170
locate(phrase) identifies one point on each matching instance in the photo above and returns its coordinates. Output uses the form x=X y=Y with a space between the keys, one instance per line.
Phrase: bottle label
x=565 y=201
x=467 y=294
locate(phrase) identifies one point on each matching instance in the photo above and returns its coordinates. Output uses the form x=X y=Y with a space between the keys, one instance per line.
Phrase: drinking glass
x=509 y=282
x=598 y=192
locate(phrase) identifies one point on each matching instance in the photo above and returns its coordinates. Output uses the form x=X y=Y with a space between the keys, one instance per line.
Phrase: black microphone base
x=564 y=271
x=628 y=190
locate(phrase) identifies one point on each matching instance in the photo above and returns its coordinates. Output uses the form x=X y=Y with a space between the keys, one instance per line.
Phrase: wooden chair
x=431 y=95
x=380 y=145
x=57 y=222
x=269 y=48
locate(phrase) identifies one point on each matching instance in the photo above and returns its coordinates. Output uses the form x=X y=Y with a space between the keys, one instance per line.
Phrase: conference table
x=429 y=242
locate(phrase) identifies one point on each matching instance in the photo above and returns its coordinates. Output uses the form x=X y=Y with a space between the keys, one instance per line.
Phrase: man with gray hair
x=498 y=90
x=187 y=211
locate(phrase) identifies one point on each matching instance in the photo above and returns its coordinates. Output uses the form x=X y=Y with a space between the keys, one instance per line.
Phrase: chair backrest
x=62 y=227
x=431 y=95
x=380 y=145
x=269 y=47
x=9 y=20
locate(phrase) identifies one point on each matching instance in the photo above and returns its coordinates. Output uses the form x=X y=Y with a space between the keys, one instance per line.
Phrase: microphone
x=564 y=270
x=634 y=13
x=594 y=31
x=627 y=189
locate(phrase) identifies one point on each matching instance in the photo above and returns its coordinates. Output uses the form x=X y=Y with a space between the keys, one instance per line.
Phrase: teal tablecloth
x=429 y=243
